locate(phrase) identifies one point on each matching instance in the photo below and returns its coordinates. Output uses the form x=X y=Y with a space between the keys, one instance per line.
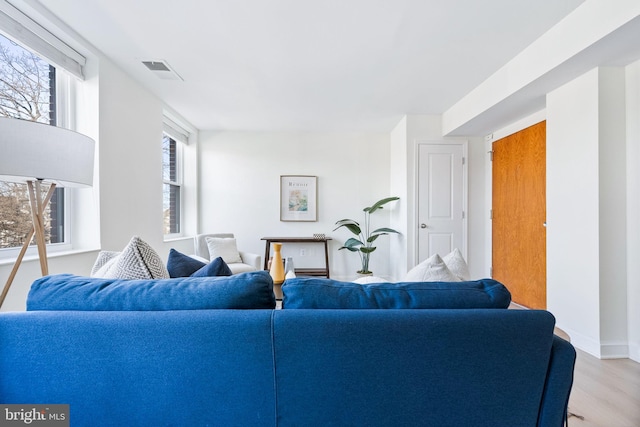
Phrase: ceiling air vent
x=161 y=69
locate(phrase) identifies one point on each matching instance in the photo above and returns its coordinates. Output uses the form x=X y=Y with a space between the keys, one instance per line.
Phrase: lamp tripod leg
x=39 y=209
x=37 y=214
x=14 y=270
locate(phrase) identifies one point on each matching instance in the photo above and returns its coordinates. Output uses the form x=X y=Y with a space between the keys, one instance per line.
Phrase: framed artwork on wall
x=298 y=198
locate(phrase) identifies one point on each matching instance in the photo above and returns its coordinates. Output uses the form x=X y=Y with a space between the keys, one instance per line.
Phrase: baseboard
x=582 y=342
x=618 y=350
x=634 y=352
x=599 y=349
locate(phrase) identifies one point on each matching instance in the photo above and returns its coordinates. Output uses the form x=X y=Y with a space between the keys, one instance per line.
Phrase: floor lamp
x=36 y=153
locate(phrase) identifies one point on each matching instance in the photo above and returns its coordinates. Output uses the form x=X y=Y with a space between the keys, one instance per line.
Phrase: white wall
x=586 y=211
x=240 y=190
x=130 y=161
x=130 y=164
x=572 y=210
x=479 y=206
x=613 y=213
x=400 y=184
x=633 y=207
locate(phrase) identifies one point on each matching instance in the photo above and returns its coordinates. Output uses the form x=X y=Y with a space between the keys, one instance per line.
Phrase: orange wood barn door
x=519 y=257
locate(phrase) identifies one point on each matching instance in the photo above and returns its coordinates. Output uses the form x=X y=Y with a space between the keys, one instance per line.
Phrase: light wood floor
x=605 y=392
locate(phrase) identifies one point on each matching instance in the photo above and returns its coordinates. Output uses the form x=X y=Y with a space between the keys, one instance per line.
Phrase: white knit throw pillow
x=137 y=260
x=457 y=265
x=433 y=269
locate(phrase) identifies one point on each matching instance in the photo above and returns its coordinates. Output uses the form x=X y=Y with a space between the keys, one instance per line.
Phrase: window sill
x=50 y=255
x=169 y=239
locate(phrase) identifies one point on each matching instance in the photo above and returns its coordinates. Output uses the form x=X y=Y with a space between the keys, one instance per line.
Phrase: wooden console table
x=320 y=272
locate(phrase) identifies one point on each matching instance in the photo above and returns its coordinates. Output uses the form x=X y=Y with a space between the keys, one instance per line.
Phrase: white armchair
x=250 y=262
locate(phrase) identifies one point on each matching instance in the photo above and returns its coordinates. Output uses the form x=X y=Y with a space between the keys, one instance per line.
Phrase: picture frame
x=298 y=198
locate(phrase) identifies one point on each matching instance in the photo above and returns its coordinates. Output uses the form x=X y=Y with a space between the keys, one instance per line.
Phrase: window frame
x=65 y=105
x=178 y=183
x=64 y=108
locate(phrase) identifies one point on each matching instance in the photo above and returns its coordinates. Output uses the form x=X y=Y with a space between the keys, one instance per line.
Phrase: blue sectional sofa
x=221 y=366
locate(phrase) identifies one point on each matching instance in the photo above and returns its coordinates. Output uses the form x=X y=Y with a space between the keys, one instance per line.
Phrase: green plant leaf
x=367 y=250
x=352 y=243
x=378 y=205
x=384 y=230
x=380 y=232
x=350 y=224
x=349 y=249
x=346 y=221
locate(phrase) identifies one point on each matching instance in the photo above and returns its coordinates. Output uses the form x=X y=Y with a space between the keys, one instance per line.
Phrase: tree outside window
x=171 y=184
x=27 y=92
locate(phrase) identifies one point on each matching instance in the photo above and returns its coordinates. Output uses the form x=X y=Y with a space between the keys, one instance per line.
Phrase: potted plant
x=363 y=243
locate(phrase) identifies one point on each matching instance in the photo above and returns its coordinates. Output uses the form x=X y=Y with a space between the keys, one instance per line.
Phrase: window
x=38 y=71
x=172 y=183
x=28 y=87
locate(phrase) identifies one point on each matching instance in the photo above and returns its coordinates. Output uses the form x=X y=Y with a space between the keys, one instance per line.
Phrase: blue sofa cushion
x=134 y=368
x=326 y=293
x=181 y=265
x=67 y=292
x=479 y=368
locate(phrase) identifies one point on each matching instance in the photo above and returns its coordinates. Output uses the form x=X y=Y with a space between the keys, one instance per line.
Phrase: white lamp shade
x=31 y=150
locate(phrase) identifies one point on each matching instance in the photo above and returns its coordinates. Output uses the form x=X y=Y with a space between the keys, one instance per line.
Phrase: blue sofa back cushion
x=327 y=293
x=181 y=265
x=68 y=292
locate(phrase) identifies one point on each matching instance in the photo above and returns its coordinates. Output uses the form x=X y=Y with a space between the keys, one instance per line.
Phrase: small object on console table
x=319 y=272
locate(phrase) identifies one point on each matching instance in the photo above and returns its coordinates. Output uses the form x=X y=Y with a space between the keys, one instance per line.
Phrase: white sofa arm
x=253 y=260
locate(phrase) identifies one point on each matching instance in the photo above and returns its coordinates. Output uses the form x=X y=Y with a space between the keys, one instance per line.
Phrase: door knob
x=423 y=225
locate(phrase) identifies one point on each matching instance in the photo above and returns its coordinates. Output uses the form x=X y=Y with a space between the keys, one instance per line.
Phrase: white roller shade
x=175 y=131
x=31 y=35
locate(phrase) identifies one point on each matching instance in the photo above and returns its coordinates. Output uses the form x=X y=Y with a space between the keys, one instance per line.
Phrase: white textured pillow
x=136 y=261
x=457 y=265
x=365 y=280
x=433 y=269
x=224 y=247
x=104 y=257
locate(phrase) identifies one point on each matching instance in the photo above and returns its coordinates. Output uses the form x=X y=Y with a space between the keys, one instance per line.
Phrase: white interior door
x=441 y=199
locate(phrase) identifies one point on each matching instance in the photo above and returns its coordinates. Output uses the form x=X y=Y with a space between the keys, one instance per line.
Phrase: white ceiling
x=326 y=65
